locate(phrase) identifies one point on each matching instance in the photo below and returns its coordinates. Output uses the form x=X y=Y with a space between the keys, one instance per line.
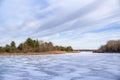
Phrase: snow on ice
x=84 y=66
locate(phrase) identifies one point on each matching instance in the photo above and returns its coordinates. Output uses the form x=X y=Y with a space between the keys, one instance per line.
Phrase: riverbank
x=36 y=53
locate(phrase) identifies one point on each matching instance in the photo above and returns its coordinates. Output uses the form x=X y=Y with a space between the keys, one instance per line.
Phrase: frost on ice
x=84 y=66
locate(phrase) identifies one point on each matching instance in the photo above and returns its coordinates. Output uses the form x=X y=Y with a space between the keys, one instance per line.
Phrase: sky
x=83 y=24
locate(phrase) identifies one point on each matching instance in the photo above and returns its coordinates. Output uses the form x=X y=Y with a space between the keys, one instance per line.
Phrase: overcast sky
x=83 y=24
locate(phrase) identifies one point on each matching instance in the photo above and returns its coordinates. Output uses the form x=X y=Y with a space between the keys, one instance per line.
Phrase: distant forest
x=31 y=45
x=112 y=46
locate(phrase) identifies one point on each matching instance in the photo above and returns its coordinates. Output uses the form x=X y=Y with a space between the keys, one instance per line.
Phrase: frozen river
x=84 y=66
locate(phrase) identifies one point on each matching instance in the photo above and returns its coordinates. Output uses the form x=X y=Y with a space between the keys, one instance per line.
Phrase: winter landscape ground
x=79 y=66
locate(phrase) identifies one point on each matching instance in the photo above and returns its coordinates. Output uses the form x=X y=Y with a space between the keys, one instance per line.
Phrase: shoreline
x=36 y=53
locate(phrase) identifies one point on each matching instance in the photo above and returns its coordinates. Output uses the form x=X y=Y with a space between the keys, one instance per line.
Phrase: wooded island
x=112 y=46
x=31 y=45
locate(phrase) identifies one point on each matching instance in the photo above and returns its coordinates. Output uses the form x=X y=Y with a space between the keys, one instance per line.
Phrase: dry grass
x=33 y=53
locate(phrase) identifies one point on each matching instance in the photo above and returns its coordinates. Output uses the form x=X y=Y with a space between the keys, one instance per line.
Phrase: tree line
x=31 y=45
x=111 y=46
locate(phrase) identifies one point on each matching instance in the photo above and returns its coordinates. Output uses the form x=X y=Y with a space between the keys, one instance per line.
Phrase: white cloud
x=50 y=19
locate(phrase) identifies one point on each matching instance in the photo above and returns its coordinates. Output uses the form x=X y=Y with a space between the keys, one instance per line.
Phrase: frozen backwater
x=84 y=66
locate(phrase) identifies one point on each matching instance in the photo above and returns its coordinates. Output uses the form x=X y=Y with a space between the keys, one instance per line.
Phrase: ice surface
x=84 y=66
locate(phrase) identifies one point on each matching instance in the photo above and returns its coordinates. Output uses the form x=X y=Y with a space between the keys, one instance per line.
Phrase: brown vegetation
x=110 y=47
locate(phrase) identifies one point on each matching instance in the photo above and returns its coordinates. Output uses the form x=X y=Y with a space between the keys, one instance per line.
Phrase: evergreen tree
x=7 y=48
x=13 y=46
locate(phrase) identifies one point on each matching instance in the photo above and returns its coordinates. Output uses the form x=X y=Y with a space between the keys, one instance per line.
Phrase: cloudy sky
x=83 y=24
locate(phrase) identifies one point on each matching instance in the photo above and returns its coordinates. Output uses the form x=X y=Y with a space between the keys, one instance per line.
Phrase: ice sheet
x=84 y=66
